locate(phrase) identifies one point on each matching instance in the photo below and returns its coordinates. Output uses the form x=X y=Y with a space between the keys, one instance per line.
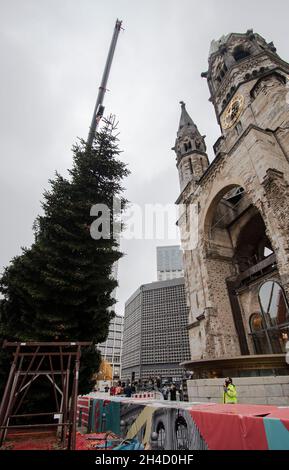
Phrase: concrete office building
x=169 y=262
x=155 y=339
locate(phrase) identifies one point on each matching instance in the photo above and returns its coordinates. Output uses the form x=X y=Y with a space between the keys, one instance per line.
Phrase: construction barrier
x=83 y=412
x=164 y=425
x=148 y=396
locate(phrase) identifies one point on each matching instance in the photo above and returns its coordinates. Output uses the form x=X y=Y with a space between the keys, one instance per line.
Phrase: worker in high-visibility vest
x=230 y=392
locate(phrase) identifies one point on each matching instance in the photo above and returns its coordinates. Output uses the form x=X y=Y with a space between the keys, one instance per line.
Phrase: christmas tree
x=61 y=287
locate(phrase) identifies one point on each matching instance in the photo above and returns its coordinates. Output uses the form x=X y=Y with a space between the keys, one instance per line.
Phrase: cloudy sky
x=52 y=56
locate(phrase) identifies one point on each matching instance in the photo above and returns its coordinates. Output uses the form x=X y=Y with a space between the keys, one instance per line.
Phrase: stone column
x=275 y=211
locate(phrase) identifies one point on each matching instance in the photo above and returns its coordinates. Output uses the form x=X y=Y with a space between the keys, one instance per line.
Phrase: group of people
x=121 y=388
x=175 y=393
x=172 y=392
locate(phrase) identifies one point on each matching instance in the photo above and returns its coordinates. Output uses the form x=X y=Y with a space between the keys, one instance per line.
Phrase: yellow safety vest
x=230 y=396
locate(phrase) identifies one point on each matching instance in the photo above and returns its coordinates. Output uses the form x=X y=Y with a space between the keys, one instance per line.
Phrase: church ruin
x=237 y=275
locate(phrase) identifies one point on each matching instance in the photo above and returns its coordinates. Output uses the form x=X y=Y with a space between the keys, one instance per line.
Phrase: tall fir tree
x=61 y=288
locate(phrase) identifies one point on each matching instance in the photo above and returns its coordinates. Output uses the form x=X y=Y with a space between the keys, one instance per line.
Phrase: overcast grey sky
x=52 y=56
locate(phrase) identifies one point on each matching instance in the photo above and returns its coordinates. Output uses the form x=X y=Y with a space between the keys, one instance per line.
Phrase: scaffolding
x=59 y=363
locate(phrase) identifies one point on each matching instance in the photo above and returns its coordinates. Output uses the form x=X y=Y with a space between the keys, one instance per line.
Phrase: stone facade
x=241 y=198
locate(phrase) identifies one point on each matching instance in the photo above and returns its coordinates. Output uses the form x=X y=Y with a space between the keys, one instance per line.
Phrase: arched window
x=188 y=146
x=161 y=432
x=273 y=304
x=240 y=53
x=220 y=72
x=270 y=327
x=182 y=434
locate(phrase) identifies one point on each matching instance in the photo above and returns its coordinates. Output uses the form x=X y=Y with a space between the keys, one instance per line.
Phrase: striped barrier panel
x=148 y=396
x=83 y=411
x=143 y=395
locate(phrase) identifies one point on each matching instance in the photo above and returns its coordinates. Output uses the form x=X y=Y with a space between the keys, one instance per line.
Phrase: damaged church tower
x=237 y=275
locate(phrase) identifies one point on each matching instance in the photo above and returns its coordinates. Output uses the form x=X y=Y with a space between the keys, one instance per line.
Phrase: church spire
x=189 y=138
x=190 y=147
x=186 y=120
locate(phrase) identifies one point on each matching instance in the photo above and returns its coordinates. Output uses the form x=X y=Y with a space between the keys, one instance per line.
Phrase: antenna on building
x=99 y=108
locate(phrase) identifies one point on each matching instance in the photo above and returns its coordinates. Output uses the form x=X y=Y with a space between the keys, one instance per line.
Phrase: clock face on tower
x=233 y=112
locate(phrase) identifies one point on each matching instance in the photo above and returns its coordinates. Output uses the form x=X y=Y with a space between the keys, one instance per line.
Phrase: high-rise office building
x=111 y=349
x=169 y=262
x=155 y=332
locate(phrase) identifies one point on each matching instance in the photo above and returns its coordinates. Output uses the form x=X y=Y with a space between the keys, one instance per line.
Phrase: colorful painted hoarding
x=176 y=426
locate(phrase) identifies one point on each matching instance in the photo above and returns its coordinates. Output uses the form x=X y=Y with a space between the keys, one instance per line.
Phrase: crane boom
x=99 y=108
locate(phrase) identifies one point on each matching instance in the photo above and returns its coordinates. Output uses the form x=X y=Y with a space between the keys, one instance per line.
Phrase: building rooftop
x=156 y=285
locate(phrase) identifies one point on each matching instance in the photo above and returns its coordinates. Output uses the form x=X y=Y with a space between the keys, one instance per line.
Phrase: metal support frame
x=54 y=361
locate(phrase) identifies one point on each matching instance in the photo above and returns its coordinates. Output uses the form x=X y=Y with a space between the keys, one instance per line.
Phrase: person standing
x=127 y=390
x=173 y=392
x=150 y=384
x=158 y=382
x=230 y=392
x=181 y=393
x=119 y=389
x=165 y=392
